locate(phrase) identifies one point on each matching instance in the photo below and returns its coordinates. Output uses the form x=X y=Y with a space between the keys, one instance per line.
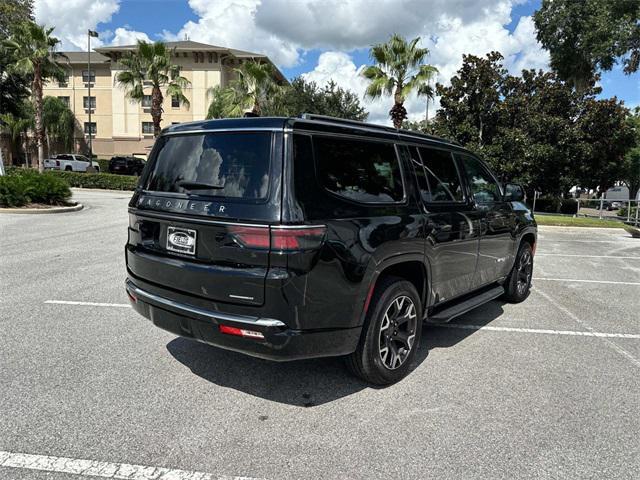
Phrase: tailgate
x=203 y=259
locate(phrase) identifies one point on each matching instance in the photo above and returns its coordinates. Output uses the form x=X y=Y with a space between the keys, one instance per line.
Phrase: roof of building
x=190 y=46
x=81 y=57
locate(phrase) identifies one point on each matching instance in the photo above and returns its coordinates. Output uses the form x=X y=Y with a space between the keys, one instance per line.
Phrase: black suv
x=289 y=238
x=126 y=165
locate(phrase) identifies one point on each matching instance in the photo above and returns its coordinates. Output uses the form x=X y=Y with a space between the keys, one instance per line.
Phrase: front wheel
x=391 y=333
x=518 y=283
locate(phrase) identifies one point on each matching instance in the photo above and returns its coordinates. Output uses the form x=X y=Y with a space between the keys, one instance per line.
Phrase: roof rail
x=373 y=126
x=345 y=121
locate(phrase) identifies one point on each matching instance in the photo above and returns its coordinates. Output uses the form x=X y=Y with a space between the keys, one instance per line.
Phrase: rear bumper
x=280 y=343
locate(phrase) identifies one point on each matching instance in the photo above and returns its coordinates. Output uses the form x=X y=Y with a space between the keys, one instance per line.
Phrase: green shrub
x=569 y=206
x=548 y=204
x=623 y=212
x=98 y=180
x=29 y=186
x=104 y=165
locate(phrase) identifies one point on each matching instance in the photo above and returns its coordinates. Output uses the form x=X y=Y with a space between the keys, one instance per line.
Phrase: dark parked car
x=126 y=165
x=288 y=238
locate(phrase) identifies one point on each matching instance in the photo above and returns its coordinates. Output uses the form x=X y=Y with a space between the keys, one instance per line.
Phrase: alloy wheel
x=397 y=332
x=525 y=269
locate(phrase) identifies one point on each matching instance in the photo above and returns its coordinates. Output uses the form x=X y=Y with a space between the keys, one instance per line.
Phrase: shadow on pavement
x=305 y=383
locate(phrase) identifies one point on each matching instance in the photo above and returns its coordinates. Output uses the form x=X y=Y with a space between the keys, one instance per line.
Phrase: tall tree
x=14 y=88
x=399 y=70
x=152 y=63
x=584 y=36
x=59 y=123
x=33 y=49
x=303 y=96
x=249 y=92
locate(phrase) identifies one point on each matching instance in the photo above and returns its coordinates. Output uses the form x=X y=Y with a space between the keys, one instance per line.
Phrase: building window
x=64 y=100
x=175 y=101
x=63 y=82
x=89 y=76
x=90 y=128
x=146 y=101
x=147 y=128
x=89 y=102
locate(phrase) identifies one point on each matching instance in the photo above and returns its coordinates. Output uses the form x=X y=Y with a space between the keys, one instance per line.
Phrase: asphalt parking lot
x=549 y=388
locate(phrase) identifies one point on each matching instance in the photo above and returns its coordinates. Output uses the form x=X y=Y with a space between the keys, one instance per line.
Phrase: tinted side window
x=421 y=176
x=442 y=175
x=359 y=170
x=484 y=187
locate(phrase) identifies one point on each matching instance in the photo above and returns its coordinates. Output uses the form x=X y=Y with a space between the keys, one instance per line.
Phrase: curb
x=41 y=211
x=107 y=190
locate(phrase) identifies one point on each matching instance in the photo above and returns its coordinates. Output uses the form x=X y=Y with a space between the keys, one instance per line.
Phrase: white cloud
x=123 y=36
x=232 y=24
x=73 y=18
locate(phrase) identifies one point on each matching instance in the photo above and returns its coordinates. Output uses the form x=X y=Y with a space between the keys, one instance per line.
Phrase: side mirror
x=513 y=192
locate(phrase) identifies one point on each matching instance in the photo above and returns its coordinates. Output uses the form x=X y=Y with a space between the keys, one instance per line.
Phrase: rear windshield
x=235 y=165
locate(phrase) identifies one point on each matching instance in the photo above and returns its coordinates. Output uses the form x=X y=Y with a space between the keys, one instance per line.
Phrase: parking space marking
x=575 y=318
x=585 y=256
x=539 y=331
x=88 y=304
x=93 y=468
x=610 y=282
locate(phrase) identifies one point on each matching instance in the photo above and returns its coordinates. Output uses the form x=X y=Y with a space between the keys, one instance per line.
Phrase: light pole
x=90 y=33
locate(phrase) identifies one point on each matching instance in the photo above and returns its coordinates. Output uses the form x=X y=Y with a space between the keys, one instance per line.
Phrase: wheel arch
x=411 y=267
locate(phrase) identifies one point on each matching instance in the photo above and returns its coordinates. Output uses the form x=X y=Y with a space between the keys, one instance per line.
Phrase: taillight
x=281 y=239
x=241 y=332
x=57 y=163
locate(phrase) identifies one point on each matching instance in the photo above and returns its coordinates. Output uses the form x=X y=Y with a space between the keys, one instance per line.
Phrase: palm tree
x=59 y=123
x=248 y=93
x=16 y=127
x=399 y=70
x=33 y=50
x=150 y=64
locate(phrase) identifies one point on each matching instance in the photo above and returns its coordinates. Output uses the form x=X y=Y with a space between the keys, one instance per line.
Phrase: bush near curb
x=105 y=181
x=29 y=186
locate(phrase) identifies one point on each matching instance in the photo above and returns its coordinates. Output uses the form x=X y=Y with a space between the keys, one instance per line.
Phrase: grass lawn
x=561 y=221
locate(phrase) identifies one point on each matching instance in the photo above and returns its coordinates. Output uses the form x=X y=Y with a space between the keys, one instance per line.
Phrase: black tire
x=68 y=169
x=517 y=286
x=377 y=356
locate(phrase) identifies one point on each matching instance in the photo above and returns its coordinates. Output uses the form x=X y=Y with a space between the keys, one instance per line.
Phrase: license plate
x=181 y=240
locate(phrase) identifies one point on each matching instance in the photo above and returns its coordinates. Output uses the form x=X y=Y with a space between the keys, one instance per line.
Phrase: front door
x=496 y=221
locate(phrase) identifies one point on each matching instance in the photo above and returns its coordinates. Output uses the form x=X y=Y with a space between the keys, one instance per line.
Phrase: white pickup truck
x=69 y=162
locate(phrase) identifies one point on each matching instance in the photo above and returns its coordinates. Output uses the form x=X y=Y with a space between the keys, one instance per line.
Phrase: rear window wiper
x=198 y=185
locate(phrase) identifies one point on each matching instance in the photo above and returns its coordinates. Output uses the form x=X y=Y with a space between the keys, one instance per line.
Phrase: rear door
x=201 y=223
x=497 y=222
x=452 y=227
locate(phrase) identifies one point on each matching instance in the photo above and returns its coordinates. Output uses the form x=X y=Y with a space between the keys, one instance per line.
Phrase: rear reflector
x=131 y=296
x=241 y=332
x=280 y=239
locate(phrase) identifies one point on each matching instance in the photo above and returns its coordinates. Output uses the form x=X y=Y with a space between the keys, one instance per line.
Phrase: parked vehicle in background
x=289 y=238
x=126 y=165
x=70 y=162
x=615 y=205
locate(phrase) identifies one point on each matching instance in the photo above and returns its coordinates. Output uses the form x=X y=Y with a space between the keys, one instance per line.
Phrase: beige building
x=122 y=127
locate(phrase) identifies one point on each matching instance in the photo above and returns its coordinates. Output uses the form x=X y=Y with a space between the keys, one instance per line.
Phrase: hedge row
x=547 y=204
x=30 y=186
x=98 y=180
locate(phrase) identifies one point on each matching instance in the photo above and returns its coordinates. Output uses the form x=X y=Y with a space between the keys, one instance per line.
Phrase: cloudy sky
x=323 y=39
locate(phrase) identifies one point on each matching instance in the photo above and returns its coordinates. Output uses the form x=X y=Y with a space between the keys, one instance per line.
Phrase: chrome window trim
x=222 y=130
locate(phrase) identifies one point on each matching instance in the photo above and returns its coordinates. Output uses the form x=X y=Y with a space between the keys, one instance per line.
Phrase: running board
x=464 y=306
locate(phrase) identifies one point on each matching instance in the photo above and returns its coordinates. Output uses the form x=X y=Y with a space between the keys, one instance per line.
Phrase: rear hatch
x=200 y=222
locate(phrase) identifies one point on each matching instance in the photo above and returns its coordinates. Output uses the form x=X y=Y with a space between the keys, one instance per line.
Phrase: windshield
x=235 y=165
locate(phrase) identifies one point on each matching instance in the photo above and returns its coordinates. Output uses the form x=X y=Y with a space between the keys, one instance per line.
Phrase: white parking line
x=539 y=331
x=93 y=468
x=585 y=256
x=88 y=304
x=584 y=281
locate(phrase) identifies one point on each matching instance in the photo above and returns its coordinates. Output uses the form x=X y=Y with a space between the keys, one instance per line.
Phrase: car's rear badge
x=182 y=240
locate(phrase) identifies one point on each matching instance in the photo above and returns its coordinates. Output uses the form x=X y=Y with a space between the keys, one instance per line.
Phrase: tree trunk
x=37 y=96
x=156 y=109
x=398 y=113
